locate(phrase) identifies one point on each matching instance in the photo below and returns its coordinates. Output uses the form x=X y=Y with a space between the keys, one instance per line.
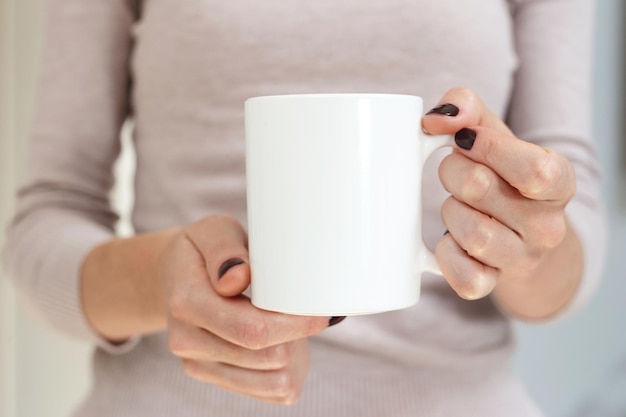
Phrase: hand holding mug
x=215 y=331
x=334 y=206
x=506 y=212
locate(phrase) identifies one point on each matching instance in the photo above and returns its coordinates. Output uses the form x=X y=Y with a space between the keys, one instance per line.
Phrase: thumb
x=233 y=277
x=463 y=108
x=223 y=244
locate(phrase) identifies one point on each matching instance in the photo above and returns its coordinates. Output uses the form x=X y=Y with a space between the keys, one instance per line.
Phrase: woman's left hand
x=506 y=213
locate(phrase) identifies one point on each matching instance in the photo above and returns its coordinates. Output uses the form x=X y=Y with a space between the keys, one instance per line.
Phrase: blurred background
x=573 y=368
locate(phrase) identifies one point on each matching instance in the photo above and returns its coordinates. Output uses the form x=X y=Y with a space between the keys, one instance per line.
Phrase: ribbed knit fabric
x=182 y=70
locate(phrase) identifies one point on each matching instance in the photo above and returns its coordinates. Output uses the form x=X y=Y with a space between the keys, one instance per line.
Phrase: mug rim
x=273 y=97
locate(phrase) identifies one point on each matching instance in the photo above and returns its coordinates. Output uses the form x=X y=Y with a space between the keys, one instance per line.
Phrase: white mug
x=334 y=202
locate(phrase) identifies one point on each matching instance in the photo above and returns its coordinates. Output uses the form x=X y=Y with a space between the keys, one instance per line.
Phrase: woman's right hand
x=220 y=337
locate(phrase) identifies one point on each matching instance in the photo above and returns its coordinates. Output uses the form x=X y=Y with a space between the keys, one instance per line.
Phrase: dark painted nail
x=447 y=232
x=227 y=265
x=336 y=320
x=465 y=138
x=445 y=110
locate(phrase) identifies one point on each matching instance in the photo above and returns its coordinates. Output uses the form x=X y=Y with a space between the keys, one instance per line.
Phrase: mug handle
x=429 y=144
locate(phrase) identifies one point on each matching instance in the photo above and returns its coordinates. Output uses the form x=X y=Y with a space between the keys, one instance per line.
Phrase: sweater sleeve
x=63 y=208
x=551 y=107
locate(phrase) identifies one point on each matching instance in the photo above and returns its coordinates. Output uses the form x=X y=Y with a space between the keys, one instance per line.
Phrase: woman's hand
x=508 y=232
x=189 y=281
x=219 y=336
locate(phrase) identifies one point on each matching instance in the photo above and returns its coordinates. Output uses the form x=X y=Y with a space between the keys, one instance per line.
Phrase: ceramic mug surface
x=334 y=202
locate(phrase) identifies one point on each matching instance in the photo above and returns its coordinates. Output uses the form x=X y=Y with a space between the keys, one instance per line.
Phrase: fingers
x=235 y=319
x=194 y=343
x=280 y=386
x=467 y=276
x=208 y=296
x=239 y=322
x=480 y=187
x=459 y=108
x=216 y=331
x=538 y=223
x=508 y=197
x=481 y=236
x=537 y=173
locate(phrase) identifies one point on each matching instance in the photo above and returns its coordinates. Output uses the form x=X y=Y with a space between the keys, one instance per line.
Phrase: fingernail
x=227 y=265
x=446 y=109
x=336 y=320
x=465 y=138
x=447 y=232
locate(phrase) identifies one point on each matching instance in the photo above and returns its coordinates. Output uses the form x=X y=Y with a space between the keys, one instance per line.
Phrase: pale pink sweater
x=182 y=70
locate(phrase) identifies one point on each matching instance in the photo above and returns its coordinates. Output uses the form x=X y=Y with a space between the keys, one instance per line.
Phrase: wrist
x=121 y=285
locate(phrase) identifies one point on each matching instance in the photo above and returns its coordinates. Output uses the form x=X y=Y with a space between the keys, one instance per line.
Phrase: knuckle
x=479 y=239
x=279 y=356
x=477 y=184
x=255 y=334
x=544 y=173
x=286 y=388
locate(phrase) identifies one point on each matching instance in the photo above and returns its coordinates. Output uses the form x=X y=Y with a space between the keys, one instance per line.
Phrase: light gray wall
x=577 y=368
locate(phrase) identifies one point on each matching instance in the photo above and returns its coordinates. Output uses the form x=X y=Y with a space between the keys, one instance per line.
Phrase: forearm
x=121 y=289
x=550 y=289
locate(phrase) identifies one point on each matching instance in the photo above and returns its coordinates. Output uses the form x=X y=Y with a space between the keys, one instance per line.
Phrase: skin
x=169 y=280
x=509 y=237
